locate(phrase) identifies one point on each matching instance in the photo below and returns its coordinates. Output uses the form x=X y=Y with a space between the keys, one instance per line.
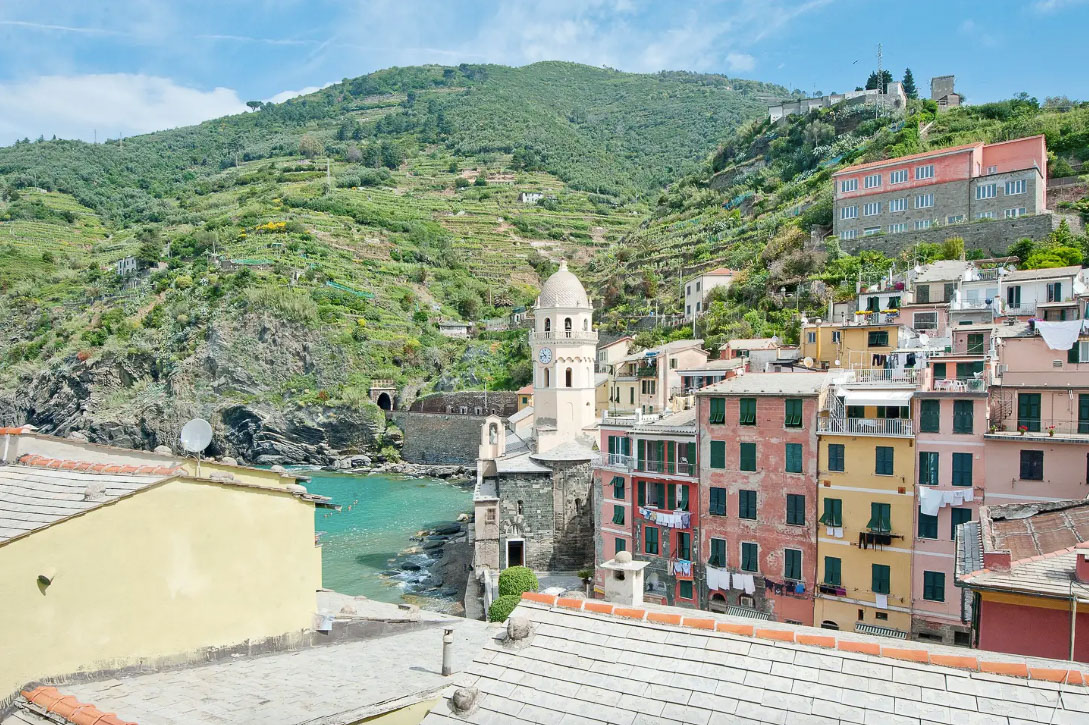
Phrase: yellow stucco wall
x=859 y=486
x=176 y=567
x=853 y=346
x=254 y=476
x=410 y=715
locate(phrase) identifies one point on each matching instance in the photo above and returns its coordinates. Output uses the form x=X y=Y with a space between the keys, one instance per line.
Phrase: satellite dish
x=196 y=435
x=808 y=362
x=924 y=339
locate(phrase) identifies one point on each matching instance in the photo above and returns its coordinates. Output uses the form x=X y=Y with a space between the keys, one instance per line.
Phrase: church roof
x=566 y=451
x=563 y=289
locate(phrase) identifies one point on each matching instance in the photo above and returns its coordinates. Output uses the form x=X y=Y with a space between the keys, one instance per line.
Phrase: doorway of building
x=516 y=552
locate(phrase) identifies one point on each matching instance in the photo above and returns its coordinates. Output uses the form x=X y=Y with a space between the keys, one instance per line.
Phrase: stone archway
x=385 y=402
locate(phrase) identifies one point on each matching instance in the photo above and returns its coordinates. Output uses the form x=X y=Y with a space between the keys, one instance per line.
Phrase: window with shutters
x=793 y=457
x=641 y=495
x=618 y=487
x=975 y=343
x=718 y=454
x=1028 y=412
x=878 y=338
x=832 y=571
x=958 y=515
x=930 y=416
x=962 y=469
x=792 y=564
x=619 y=545
x=880 y=579
x=928 y=526
x=968 y=370
x=793 y=413
x=939 y=371
x=650 y=540
x=922 y=293
x=746 y=504
x=684 y=589
x=1054 y=291
x=717 y=414
x=795 y=509
x=717 y=504
x=682 y=497
x=1032 y=465
x=748 y=457
x=883 y=458
x=749 y=557
x=833 y=513
x=880 y=518
x=835 y=457
x=747 y=411
x=718 y=553
x=928 y=468
x=1083 y=413
x=934 y=586
x=684 y=545
x=963 y=416
x=618 y=514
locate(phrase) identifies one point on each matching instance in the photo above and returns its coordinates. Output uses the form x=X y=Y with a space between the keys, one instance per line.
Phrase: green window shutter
x=718 y=553
x=659 y=496
x=749 y=557
x=795 y=509
x=930 y=416
x=642 y=493
x=1028 y=411
x=684 y=589
x=928 y=468
x=832 y=571
x=650 y=540
x=747 y=414
x=1083 y=413
x=718 y=454
x=963 y=416
x=880 y=579
x=746 y=504
x=717 y=501
x=934 y=586
x=641 y=446
x=717 y=413
x=671 y=497
x=792 y=564
x=684 y=545
x=618 y=487
x=833 y=512
x=928 y=526
x=793 y=417
x=878 y=338
x=748 y=457
x=939 y=371
x=883 y=456
x=962 y=469
x=620 y=546
x=793 y=457
x=835 y=457
x=618 y=514
x=975 y=343
x=1072 y=354
x=958 y=516
x=880 y=518
x=690 y=456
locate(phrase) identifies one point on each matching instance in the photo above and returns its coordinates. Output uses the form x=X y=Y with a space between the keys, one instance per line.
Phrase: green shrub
x=503 y=606
x=516 y=580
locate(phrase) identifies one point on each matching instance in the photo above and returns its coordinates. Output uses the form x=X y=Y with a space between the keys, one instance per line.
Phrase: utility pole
x=880 y=85
x=328 y=176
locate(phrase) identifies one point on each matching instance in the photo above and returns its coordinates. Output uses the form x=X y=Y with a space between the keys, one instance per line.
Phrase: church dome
x=563 y=289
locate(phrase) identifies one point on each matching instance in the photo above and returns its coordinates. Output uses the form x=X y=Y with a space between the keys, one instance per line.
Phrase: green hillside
x=295 y=253
x=753 y=204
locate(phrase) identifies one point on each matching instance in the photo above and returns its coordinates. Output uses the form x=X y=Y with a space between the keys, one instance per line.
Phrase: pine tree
x=873 y=82
x=909 y=84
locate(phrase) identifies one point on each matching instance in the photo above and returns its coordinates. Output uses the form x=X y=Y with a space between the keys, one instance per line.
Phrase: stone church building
x=532 y=498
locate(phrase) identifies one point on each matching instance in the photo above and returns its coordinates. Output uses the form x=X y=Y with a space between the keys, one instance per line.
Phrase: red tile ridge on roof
x=11 y=431
x=525 y=389
x=50 y=700
x=30 y=459
x=720 y=270
x=902 y=650
x=909 y=157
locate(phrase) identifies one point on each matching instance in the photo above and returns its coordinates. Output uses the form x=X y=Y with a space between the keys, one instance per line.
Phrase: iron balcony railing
x=677 y=468
x=901 y=427
x=1037 y=427
x=619 y=460
x=1024 y=308
x=880 y=376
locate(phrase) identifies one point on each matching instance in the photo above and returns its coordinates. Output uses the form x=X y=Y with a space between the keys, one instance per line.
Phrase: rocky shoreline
x=437 y=566
x=363 y=464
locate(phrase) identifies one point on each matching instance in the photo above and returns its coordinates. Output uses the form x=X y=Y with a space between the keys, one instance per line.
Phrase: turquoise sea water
x=357 y=544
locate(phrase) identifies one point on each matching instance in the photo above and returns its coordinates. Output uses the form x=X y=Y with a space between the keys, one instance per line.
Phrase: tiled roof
x=910 y=157
x=332 y=684
x=33 y=497
x=714 y=366
x=768 y=384
x=1021 y=275
x=29 y=459
x=48 y=701
x=587 y=661
x=684 y=419
x=753 y=343
x=526 y=389
x=1027 y=530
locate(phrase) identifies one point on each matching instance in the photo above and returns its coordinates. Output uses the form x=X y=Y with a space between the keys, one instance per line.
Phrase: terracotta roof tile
x=50 y=700
x=30 y=459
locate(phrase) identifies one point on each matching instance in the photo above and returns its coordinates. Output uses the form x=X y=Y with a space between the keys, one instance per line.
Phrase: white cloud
x=77 y=106
x=285 y=95
x=740 y=62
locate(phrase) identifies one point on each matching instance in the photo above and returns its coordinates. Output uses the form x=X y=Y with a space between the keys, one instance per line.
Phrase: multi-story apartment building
x=950 y=419
x=997 y=181
x=649 y=483
x=757 y=494
x=646 y=381
x=863 y=342
x=697 y=288
x=610 y=353
x=1051 y=294
x=866 y=502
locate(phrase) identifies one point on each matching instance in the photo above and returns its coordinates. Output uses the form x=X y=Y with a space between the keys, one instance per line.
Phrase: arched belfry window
x=546 y=377
x=567 y=326
x=548 y=325
x=568 y=378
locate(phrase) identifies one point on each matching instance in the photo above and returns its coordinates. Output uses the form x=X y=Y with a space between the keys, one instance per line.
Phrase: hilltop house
x=697 y=288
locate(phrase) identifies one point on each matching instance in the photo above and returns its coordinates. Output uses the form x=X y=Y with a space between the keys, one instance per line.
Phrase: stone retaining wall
x=436 y=438
x=993 y=237
x=473 y=402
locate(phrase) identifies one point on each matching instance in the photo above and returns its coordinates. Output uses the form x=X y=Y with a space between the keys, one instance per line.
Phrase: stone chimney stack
x=624 y=580
x=1081 y=565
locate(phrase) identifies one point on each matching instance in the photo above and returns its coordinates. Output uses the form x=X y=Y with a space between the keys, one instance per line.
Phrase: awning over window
x=876 y=631
x=877 y=397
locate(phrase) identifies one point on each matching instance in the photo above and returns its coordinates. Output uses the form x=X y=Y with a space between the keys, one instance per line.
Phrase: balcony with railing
x=564 y=336
x=1021 y=308
x=1040 y=428
x=879 y=376
x=619 y=461
x=669 y=468
x=971 y=385
x=888 y=427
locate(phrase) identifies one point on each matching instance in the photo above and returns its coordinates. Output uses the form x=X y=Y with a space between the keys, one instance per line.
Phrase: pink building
x=758 y=495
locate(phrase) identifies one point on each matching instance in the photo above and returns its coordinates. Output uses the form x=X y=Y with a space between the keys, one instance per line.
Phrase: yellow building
x=525 y=396
x=111 y=563
x=866 y=503
x=848 y=345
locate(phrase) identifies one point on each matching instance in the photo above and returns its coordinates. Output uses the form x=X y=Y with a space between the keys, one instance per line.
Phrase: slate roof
x=769 y=384
x=942 y=270
x=333 y=684
x=754 y=343
x=32 y=497
x=588 y=662
x=683 y=421
x=713 y=366
x=1023 y=275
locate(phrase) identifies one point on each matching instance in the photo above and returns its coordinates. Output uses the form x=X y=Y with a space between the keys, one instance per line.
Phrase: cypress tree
x=909 y=84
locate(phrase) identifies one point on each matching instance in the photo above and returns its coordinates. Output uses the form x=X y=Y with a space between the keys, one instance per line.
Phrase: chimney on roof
x=1081 y=563
x=624 y=580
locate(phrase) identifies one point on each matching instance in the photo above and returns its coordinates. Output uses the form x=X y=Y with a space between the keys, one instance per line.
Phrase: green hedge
x=517 y=580
x=502 y=607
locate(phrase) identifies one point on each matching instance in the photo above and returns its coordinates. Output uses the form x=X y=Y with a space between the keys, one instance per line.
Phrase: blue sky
x=71 y=67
